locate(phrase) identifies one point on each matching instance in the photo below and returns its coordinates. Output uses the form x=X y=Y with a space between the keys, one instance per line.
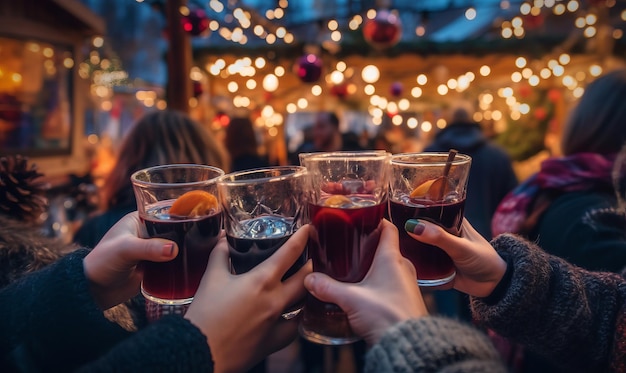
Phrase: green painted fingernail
x=414 y=226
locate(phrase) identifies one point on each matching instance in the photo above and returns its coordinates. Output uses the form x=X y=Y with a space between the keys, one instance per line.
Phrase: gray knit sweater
x=575 y=317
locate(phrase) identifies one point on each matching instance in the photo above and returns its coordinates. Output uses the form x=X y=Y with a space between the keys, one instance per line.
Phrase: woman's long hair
x=598 y=123
x=161 y=137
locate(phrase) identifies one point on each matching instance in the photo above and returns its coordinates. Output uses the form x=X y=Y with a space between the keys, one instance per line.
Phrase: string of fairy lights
x=250 y=82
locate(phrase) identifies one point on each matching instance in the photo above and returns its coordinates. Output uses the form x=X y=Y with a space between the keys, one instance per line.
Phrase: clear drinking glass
x=262 y=208
x=347 y=202
x=177 y=202
x=428 y=186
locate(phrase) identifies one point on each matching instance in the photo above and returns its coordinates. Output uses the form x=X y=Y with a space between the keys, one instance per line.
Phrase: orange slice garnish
x=337 y=200
x=194 y=203
x=433 y=188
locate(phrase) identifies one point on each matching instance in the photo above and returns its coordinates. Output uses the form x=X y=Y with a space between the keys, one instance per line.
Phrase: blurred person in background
x=327 y=136
x=566 y=207
x=491 y=177
x=242 y=146
x=160 y=137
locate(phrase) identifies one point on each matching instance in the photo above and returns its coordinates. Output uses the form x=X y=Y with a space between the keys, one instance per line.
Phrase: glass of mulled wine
x=177 y=202
x=262 y=208
x=347 y=194
x=428 y=186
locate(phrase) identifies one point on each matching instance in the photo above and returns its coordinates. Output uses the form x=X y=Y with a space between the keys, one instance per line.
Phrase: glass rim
x=459 y=159
x=343 y=154
x=227 y=179
x=143 y=183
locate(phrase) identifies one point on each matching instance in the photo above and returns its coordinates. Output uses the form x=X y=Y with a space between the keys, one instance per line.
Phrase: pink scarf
x=578 y=172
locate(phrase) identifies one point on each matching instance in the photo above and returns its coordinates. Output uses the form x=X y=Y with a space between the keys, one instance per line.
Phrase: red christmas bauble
x=396 y=89
x=196 y=22
x=384 y=30
x=339 y=90
x=525 y=91
x=597 y=2
x=309 y=68
x=198 y=89
x=533 y=22
x=540 y=113
x=554 y=95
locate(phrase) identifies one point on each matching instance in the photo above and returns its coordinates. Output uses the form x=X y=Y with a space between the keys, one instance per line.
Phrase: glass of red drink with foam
x=428 y=186
x=347 y=202
x=177 y=202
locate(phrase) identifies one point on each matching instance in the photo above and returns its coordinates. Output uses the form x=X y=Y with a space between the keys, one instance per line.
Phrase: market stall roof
x=69 y=15
x=428 y=27
x=80 y=14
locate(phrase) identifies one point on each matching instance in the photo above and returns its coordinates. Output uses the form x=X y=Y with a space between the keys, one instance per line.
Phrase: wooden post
x=179 y=57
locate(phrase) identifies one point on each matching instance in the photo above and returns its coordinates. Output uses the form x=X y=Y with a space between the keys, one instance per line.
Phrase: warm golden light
x=370 y=74
x=595 y=70
x=416 y=92
x=270 y=83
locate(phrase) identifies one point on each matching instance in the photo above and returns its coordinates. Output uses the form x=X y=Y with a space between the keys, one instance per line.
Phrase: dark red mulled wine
x=195 y=237
x=434 y=267
x=247 y=253
x=342 y=244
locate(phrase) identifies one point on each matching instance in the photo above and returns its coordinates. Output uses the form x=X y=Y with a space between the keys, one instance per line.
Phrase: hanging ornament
x=396 y=89
x=597 y=3
x=198 y=89
x=383 y=31
x=340 y=90
x=540 y=113
x=524 y=91
x=309 y=68
x=196 y=22
x=221 y=119
x=532 y=22
x=554 y=95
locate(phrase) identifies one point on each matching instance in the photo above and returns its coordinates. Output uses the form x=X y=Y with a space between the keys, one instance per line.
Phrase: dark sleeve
x=87 y=235
x=576 y=228
x=433 y=344
x=568 y=314
x=50 y=321
x=171 y=344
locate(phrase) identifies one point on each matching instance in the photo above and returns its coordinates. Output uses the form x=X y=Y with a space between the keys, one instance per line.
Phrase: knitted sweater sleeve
x=433 y=344
x=50 y=322
x=171 y=344
x=573 y=316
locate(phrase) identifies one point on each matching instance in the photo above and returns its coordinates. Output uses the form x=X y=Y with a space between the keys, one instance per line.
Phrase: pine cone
x=21 y=195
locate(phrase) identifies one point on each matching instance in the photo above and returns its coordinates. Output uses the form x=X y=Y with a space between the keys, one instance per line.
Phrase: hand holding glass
x=177 y=202
x=428 y=186
x=347 y=201
x=262 y=209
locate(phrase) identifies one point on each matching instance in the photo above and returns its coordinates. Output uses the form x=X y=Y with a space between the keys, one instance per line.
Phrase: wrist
x=502 y=285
